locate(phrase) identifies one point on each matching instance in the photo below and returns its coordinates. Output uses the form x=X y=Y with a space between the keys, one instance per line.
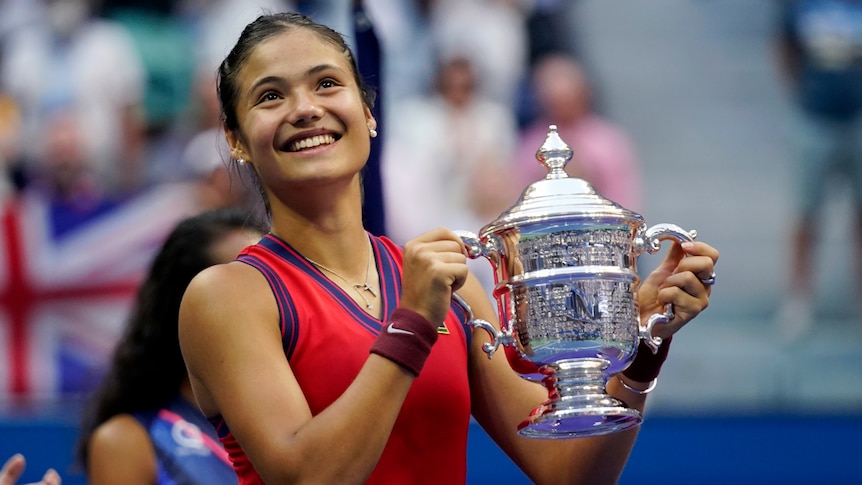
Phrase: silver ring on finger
x=709 y=281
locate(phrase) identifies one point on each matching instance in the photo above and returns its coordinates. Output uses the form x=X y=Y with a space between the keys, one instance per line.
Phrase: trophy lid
x=558 y=196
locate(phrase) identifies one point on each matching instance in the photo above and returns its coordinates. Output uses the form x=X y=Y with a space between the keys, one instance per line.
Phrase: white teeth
x=312 y=142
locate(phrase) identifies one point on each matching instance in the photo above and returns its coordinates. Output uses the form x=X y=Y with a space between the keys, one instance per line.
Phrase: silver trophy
x=564 y=261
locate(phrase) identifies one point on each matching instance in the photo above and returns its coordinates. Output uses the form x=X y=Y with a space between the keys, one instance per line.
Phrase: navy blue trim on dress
x=390 y=278
x=290 y=255
x=288 y=319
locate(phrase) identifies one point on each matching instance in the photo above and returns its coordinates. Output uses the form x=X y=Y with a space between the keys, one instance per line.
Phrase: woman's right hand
x=435 y=266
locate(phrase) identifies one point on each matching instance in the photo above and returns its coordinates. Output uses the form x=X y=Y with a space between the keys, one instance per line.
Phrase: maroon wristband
x=647 y=365
x=406 y=340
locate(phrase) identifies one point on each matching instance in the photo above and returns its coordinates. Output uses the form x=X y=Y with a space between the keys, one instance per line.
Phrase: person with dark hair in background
x=14 y=468
x=142 y=425
x=604 y=154
x=820 y=58
x=326 y=354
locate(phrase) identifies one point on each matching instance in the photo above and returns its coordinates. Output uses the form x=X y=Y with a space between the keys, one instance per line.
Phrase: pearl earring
x=240 y=161
x=372 y=132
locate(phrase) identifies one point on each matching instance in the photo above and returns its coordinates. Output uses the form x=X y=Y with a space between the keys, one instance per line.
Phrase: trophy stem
x=578 y=405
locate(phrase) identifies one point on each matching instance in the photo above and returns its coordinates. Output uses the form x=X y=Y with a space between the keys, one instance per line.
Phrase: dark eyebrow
x=261 y=81
x=323 y=67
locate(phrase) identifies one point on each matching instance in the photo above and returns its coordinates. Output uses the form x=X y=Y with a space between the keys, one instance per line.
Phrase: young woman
x=142 y=426
x=327 y=355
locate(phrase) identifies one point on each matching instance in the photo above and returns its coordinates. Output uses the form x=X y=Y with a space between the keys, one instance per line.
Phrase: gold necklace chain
x=360 y=288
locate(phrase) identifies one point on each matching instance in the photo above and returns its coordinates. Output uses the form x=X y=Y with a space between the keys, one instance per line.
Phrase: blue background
x=716 y=449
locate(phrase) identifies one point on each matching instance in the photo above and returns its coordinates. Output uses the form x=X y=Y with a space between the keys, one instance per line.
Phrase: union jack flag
x=64 y=302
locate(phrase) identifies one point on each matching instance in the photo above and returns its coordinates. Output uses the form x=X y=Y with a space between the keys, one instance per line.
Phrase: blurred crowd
x=110 y=134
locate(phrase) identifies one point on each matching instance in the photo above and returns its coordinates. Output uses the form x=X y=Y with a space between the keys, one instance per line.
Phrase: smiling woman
x=330 y=355
x=294 y=71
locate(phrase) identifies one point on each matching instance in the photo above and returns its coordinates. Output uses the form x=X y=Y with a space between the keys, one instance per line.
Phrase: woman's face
x=301 y=114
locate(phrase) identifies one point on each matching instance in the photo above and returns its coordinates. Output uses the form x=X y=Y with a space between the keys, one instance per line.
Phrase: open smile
x=310 y=142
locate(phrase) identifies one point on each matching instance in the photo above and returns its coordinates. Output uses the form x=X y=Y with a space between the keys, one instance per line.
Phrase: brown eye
x=268 y=96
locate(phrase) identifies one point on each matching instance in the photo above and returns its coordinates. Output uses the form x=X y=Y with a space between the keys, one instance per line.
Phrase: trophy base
x=549 y=423
x=578 y=405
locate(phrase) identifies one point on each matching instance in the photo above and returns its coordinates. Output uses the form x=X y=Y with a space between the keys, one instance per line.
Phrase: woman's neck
x=325 y=228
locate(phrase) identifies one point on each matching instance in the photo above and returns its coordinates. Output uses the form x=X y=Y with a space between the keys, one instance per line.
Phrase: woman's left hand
x=684 y=279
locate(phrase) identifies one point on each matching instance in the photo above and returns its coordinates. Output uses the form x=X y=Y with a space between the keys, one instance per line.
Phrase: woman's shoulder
x=233 y=278
x=225 y=293
x=121 y=447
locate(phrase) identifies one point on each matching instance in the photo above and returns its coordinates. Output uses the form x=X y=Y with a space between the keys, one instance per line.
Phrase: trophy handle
x=474 y=246
x=650 y=241
x=501 y=337
x=476 y=249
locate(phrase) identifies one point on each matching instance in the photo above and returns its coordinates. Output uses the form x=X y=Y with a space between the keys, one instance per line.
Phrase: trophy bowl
x=565 y=271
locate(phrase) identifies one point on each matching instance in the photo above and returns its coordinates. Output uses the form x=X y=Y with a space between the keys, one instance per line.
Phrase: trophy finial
x=554 y=154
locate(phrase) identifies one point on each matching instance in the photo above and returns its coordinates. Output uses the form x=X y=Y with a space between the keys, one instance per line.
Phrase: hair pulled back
x=261 y=29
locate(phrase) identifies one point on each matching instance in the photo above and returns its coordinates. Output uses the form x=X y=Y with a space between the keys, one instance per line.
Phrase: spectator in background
x=70 y=62
x=603 y=153
x=10 y=142
x=820 y=56
x=14 y=468
x=493 y=33
x=551 y=28
x=453 y=147
x=146 y=397
x=65 y=178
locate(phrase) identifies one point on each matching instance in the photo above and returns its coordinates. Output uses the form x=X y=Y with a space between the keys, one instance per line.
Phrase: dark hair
x=147 y=367
x=261 y=29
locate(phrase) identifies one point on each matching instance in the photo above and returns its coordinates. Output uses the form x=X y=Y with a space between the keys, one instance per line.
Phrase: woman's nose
x=305 y=109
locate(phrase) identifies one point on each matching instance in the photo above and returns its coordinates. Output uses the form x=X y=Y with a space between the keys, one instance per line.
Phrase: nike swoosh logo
x=392 y=329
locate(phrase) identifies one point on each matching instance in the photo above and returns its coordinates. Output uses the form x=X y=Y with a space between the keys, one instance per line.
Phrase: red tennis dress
x=327 y=336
